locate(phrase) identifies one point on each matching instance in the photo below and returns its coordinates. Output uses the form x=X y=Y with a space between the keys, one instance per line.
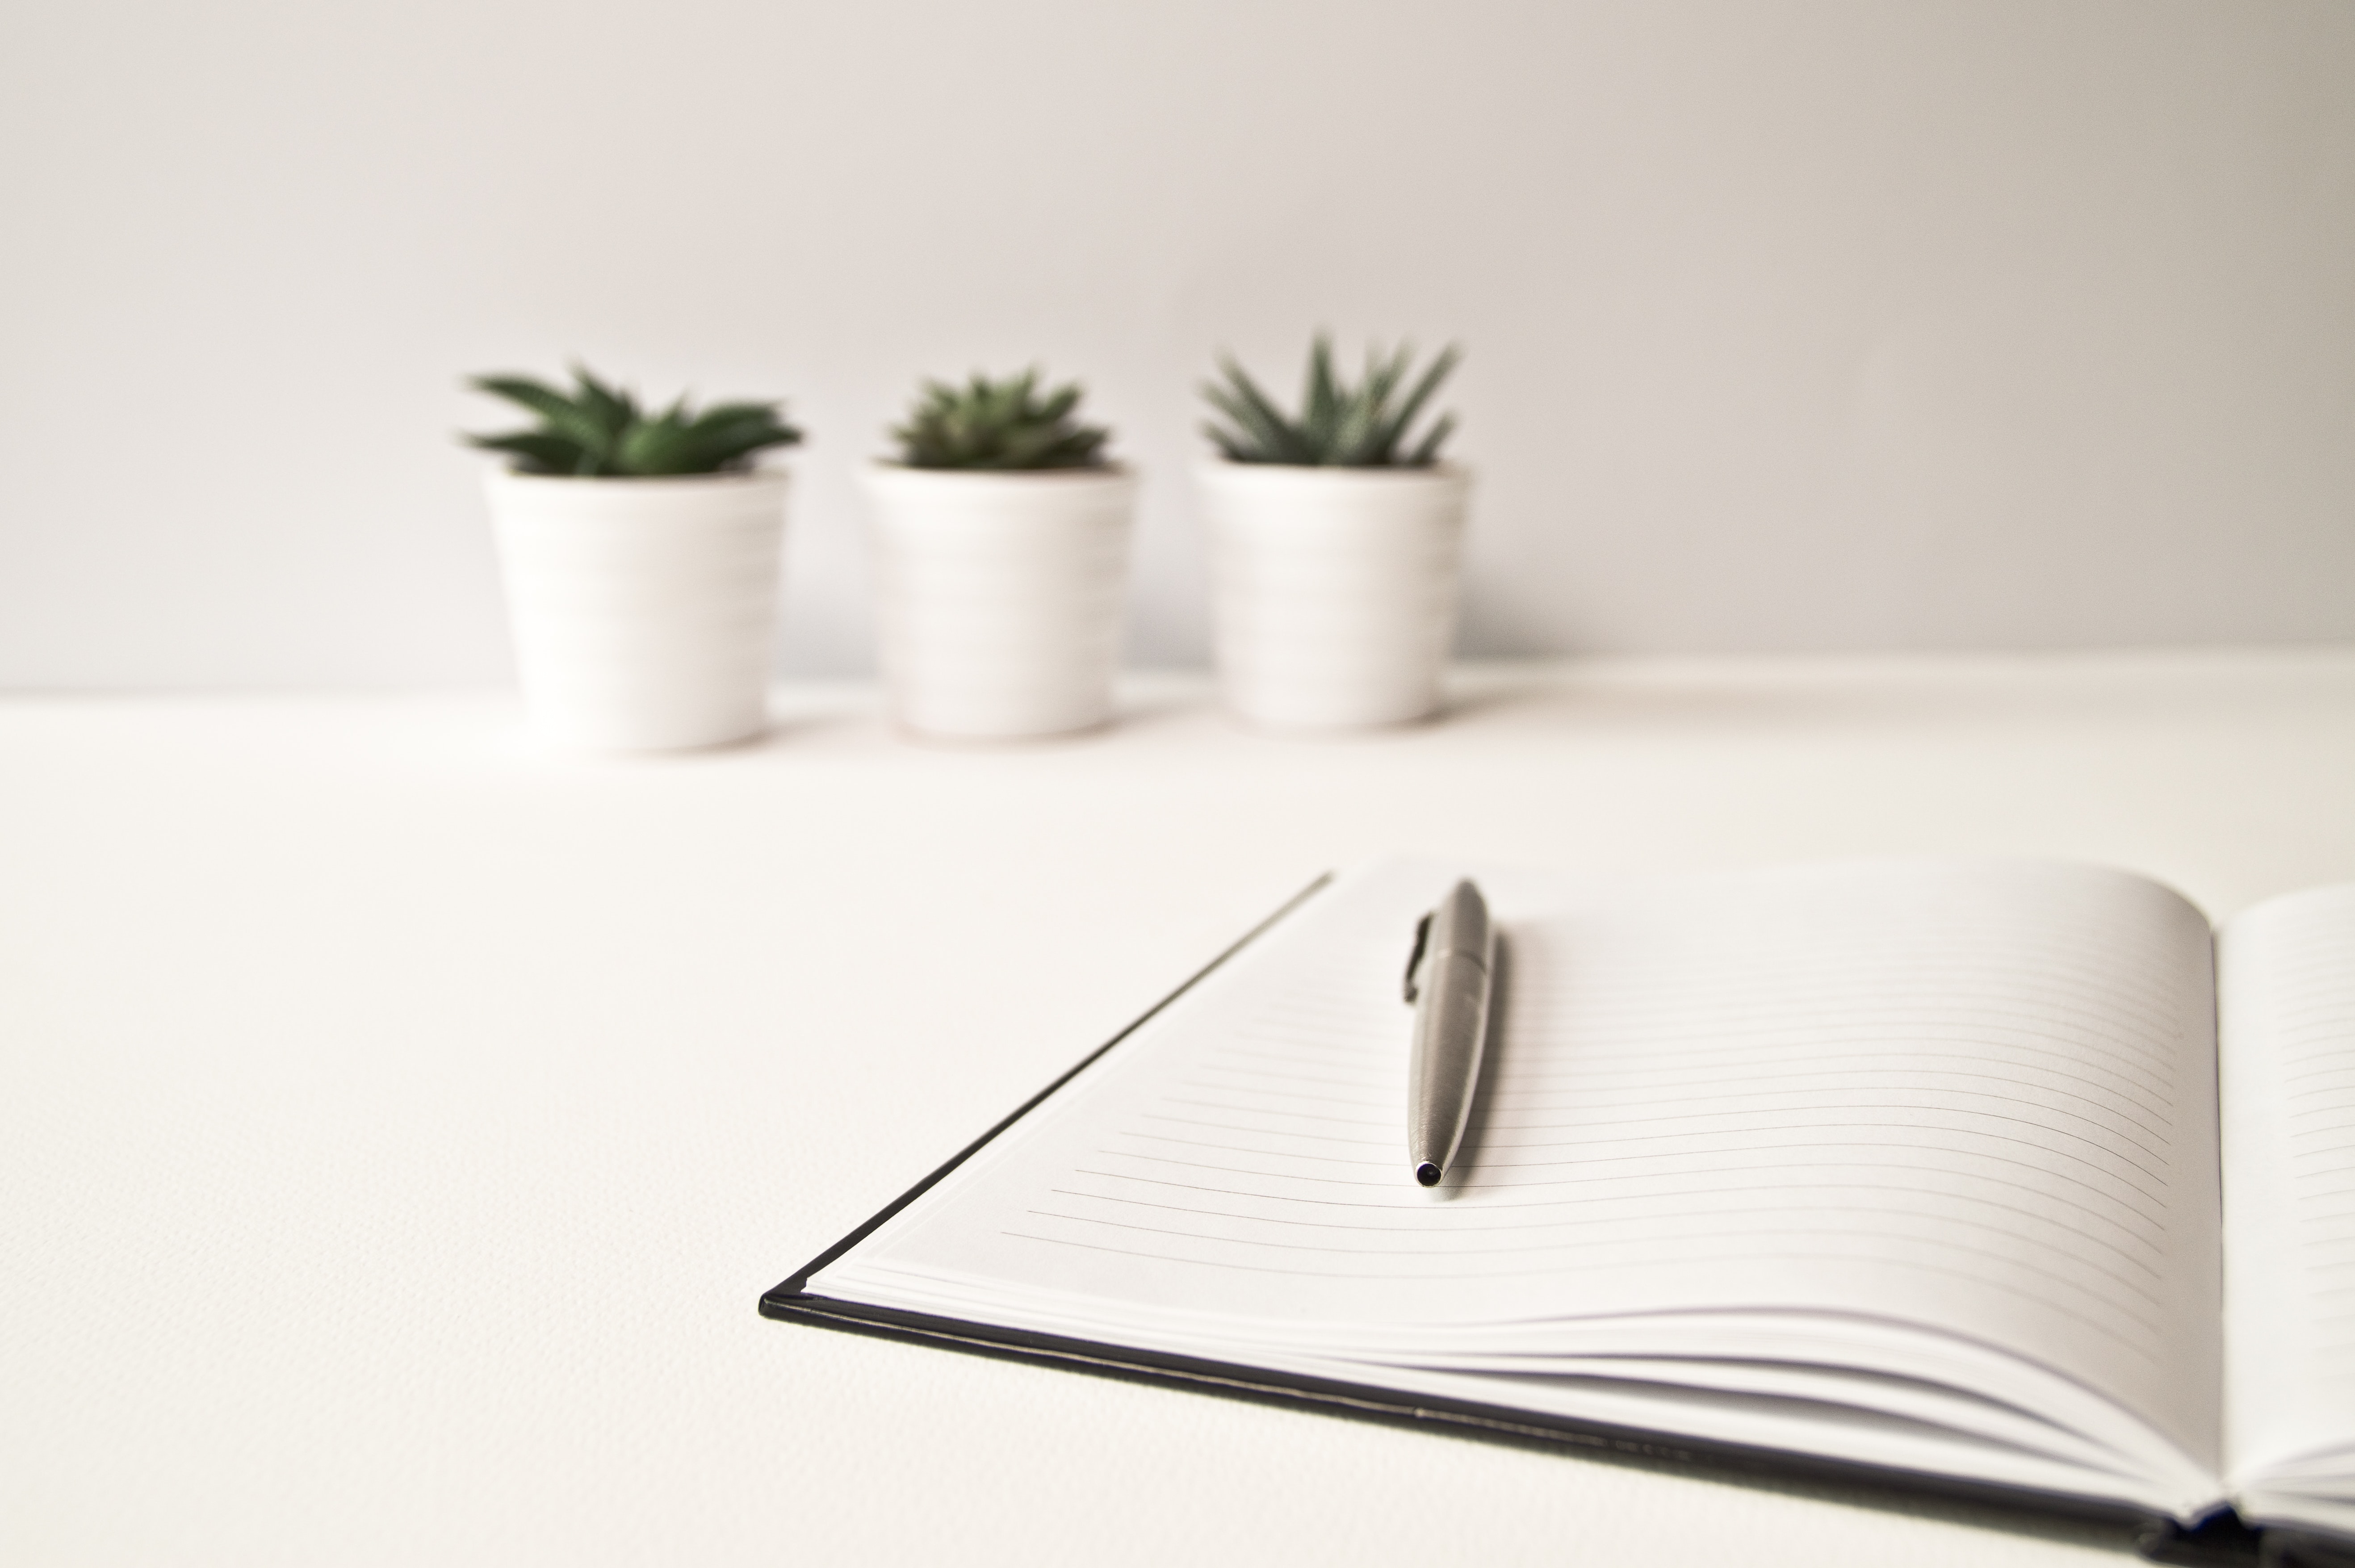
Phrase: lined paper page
x=2286 y=988
x=1976 y=1098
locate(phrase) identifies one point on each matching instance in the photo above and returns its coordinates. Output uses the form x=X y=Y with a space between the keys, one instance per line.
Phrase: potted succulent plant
x=1335 y=536
x=640 y=553
x=1001 y=540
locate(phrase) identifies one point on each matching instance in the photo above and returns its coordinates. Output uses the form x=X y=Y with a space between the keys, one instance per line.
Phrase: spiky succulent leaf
x=729 y=433
x=1339 y=425
x=1394 y=433
x=1263 y=429
x=613 y=409
x=534 y=452
x=657 y=446
x=1428 y=453
x=1320 y=404
x=587 y=442
x=598 y=431
x=1004 y=426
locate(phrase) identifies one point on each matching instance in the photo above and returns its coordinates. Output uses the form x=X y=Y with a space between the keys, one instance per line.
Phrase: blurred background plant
x=1006 y=425
x=599 y=431
x=1339 y=425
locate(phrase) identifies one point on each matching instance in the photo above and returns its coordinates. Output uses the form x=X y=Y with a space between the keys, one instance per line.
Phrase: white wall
x=1791 y=325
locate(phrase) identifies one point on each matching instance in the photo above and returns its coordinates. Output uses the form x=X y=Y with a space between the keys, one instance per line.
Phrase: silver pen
x=1448 y=978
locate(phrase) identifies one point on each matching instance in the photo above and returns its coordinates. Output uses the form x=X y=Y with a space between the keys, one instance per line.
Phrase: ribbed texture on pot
x=1000 y=597
x=643 y=610
x=1333 y=590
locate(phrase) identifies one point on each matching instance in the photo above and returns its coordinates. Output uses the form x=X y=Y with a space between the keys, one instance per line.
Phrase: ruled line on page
x=1805 y=1048
x=1284 y=1068
x=1874 y=1156
x=1946 y=1243
x=1454 y=1226
x=2101 y=1010
x=1591 y=1086
x=2099 y=1324
x=1237 y=1127
x=1877 y=1165
x=1525 y=1184
x=1700 y=1049
x=1296 y=1116
x=1854 y=1080
x=1585 y=1158
x=1821 y=1105
x=1685 y=1196
x=1525 y=1089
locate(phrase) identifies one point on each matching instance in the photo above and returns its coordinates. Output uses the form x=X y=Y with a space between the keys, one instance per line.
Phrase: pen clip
x=1414 y=959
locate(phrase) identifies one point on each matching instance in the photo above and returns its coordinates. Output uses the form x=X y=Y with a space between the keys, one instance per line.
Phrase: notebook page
x=2286 y=985
x=1978 y=1098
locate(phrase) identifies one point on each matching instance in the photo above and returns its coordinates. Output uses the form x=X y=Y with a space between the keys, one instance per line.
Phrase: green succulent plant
x=598 y=431
x=1002 y=425
x=1340 y=425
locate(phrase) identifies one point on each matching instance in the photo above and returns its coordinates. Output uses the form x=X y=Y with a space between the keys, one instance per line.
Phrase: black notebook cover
x=2219 y=1541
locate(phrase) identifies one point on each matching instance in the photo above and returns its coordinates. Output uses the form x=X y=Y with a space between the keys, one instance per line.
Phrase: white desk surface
x=398 y=1126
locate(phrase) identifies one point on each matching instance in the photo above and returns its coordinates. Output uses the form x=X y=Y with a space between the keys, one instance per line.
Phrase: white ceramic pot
x=1333 y=590
x=643 y=610
x=1000 y=597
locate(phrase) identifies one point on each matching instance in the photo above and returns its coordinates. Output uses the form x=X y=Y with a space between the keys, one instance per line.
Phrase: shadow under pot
x=1000 y=597
x=1334 y=590
x=643 y=610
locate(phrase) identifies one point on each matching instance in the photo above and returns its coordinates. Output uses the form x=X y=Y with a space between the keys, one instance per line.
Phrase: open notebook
x=2005 y=1174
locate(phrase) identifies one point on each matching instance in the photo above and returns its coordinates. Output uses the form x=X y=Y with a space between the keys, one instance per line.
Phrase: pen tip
x=1427 y=1173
